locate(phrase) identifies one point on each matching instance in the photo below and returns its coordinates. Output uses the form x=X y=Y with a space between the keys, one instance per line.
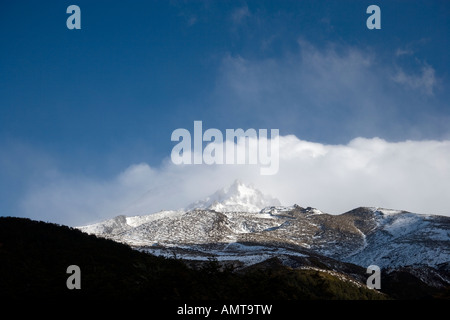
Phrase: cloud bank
x=409 y=175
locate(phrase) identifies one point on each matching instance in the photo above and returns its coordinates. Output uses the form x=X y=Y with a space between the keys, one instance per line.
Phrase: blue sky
x=88 y=104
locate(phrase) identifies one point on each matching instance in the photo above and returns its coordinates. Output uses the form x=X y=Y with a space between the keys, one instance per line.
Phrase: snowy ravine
x=241 y=223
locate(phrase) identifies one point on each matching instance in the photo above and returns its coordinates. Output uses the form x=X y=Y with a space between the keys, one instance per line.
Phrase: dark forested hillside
x=35 y=255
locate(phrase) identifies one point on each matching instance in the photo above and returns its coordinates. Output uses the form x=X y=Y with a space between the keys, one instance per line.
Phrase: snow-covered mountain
x=240 y=223
x=236 y=198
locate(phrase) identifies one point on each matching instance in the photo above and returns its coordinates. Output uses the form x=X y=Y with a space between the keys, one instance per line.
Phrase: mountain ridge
x=35 y=255
x=362 y=236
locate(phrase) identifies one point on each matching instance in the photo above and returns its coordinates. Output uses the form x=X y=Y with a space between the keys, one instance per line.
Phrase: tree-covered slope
x=35 y=255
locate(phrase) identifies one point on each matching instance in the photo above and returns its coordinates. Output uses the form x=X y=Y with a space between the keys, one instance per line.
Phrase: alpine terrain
x=242 y=227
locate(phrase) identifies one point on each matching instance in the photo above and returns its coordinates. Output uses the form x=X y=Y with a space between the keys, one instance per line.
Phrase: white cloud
x=239 y=14
x=403 y=52
x=409 y=175
x=309 y=75
x=337 y=89
x=67 y=198
x=425 y=81
x=332 y=93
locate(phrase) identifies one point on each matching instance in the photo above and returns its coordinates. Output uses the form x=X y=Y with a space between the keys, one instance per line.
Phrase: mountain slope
x=35 y=255
x=400 y=238
x=363 y=236
x=229 y=227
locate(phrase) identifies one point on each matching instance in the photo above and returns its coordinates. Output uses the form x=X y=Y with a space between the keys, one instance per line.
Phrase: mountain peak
x=237 y=197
